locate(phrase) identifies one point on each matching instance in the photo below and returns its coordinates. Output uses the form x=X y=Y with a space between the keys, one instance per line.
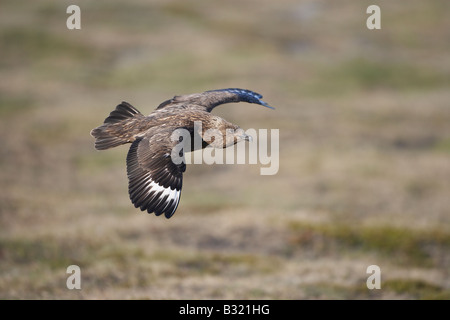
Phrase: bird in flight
x=154 y=178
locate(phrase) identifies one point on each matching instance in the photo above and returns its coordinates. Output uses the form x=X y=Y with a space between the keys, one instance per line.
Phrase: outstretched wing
x=154 y=180
x=208 y=100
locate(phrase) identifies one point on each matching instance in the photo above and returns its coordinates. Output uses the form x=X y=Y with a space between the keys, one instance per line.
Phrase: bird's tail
x=120 y=127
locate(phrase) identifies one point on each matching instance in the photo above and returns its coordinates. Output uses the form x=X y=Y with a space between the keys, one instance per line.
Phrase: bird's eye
x=180 y=153
x=180 y=139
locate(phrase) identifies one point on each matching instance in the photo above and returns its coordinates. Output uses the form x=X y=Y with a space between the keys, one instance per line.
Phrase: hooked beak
x=247 y=137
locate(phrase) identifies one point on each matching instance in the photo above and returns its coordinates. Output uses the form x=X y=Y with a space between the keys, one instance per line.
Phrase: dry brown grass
x=364 y=153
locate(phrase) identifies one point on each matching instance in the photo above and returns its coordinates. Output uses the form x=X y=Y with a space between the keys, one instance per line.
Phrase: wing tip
x=246 y=95
x=161 y=206
x=265 y=104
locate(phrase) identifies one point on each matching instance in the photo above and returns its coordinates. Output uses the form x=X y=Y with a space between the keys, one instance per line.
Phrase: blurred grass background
x=364 y=150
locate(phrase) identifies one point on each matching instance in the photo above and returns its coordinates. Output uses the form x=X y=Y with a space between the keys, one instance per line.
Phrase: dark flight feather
x=208 y=100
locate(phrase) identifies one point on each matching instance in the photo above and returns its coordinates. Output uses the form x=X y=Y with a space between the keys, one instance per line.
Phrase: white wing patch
x=159 y=198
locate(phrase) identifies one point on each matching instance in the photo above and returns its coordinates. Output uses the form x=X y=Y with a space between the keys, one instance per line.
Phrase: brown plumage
x=154 y=179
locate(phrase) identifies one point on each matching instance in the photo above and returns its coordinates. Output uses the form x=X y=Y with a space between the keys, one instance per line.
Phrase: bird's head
x=221 y=133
